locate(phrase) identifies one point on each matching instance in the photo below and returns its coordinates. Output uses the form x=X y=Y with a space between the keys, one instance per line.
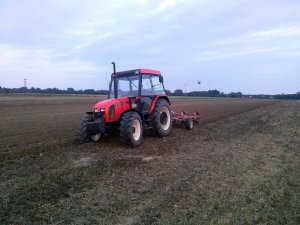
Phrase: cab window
x=151 y=85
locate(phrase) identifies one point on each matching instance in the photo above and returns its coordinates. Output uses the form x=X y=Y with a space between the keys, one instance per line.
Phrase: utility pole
x=25 y=88
x=185 y=88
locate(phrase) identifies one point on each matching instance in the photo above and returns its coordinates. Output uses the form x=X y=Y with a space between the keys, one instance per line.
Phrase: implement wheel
x=189 y=123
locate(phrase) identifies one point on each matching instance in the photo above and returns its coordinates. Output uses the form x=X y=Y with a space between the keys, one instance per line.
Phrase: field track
x=239 y=166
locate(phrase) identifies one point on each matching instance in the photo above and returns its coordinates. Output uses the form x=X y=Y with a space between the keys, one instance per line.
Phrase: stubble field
x=239 y=166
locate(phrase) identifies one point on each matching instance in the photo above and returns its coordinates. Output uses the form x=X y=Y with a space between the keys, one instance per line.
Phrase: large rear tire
x=84 y=134
x=131 y=129
x=161 y=118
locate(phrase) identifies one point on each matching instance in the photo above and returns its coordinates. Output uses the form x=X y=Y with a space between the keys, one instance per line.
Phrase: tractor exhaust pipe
x=115 y=80
x=114 y=68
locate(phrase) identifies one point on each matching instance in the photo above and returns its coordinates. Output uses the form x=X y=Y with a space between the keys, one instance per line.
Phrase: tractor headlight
x=111 y=112
x=101 y=110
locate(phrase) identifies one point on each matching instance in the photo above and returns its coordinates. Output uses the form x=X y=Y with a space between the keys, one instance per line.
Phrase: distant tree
x=210 y=93
x=52 y=91
x=20 y=90
x=6 y=90
x=168 y=92
x=235 y=95
x=89 y=91
x=287 y=96
x=70 y=91
x=222 y=94
x=198 y=93
x=178 y=92
x=213 y=93
x=32 y=90
x=102 y=92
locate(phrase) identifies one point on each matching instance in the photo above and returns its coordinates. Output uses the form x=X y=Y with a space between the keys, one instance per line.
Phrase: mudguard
x=155 y=100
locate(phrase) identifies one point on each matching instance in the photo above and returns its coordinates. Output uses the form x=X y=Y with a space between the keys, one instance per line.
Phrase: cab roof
x=138 y=71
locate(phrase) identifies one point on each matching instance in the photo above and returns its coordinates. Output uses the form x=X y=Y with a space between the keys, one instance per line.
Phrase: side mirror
x=161 y=79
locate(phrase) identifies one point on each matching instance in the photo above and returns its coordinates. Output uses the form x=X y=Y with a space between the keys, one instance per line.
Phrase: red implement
x=183 y=118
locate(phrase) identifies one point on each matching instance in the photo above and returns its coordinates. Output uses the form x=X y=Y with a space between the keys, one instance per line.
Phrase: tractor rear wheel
x=131 y=129
x=161 y=118
x=84 y=134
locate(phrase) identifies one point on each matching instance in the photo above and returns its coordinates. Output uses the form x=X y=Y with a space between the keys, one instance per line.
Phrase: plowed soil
x=28 y=122
x=240 y=165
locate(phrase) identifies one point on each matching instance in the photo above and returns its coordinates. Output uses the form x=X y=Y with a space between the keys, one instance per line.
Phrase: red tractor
x=136 y=100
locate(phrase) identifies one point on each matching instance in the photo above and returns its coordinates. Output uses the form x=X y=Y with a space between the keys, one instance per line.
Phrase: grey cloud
x=229 y=45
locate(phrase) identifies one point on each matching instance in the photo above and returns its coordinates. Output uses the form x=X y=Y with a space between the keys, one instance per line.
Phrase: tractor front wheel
x=131 y=129
x=162 y=118
x=84 y=134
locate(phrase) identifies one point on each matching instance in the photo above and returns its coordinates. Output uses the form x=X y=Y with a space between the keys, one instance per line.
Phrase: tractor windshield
x=127 y=86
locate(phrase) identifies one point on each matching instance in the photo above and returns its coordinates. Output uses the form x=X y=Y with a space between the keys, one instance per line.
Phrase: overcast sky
x=229 y=45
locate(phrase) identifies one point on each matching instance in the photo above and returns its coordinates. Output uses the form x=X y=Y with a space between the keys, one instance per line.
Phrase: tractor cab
x=136 y=83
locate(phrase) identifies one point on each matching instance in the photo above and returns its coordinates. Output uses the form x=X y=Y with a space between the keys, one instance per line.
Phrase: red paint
x=149 y=71
x=142 y=71
x=153 y=103
x=121 y=105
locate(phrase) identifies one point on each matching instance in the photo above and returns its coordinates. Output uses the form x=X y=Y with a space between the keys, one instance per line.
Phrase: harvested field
x=239 y=166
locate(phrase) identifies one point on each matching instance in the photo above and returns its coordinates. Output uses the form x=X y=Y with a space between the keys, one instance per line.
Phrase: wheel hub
x=165 y=118
x=136 y=129
x=96 y=137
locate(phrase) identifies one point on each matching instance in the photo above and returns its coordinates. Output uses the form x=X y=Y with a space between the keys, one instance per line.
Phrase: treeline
x=52 y=91
x=178 y=92
x=216 y=93
x=209 y=93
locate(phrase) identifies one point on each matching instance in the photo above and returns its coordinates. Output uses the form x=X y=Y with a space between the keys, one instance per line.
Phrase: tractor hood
x=105 y=104
x=114 y=106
